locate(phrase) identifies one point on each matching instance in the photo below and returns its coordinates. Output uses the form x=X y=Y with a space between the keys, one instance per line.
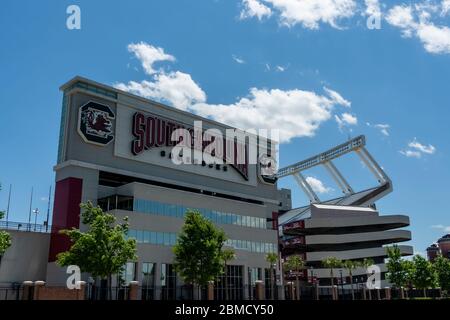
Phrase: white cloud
x=337 y=97
x=346 y=119
x=310 y=13
x=402 y=17
x=254 y=8
x=176 y=88
x=148 y=55
x=430 y=149
x=296 y=113
x=383 y=127
x=441 y=227
x=237 y=59
x=445 y=5
x=317 y=185
x=435 y=39
x=411 y=154
x=416 y=149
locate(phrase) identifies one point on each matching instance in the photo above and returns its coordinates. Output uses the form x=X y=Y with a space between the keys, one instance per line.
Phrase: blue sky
x=306 y=66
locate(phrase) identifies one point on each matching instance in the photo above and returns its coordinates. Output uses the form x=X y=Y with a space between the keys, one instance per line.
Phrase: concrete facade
x=242 y=205
x=26 y=259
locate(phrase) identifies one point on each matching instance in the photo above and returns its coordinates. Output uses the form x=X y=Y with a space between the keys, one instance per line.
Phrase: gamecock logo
x=95 y=123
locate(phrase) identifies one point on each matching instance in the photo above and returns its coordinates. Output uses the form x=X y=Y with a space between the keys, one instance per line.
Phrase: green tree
x=198 y=251
x=396 y=274
x=272 y=259
x=424 y=274
x=350 y=266
x=295 y=263
x=408 y=269
x=332 y=263
x=5 y=237
x=103 y=249
x=227 y=256
x=442 y=267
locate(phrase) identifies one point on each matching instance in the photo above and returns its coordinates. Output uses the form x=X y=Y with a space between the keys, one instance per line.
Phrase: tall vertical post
x=9 y=202
x=29 y=213
x=48 y=208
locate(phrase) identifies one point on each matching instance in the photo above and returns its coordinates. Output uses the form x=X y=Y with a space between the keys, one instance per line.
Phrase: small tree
x=442 y=267
x=366 y=263
x=103 y=249
x=198 y=251
x=408 y=269
x=332 y=263
x=227 y=255
x=272 y=259
x=5 y=237
x=424 y=275
x=296 y=264
x=396 y=267
x=350 y=266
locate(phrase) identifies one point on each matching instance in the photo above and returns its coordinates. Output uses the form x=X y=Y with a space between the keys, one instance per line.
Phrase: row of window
x=170 y=239
x=178 y=211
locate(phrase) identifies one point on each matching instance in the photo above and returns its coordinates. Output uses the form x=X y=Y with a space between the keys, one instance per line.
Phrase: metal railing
x=23 y=226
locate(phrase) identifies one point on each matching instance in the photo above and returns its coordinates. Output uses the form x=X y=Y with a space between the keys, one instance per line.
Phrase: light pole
x=36 y=212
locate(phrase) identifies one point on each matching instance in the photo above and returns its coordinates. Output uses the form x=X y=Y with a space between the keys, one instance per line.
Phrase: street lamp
x=36 y=212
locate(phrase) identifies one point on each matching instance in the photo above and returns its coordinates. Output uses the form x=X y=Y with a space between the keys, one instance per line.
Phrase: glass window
x=139 y=236
x=148 y=274
x=173 y=239
x=127 y=274
x=166 y=239
x=153 y=237
x=159 y=238
x=146 y=237
x=132 y=233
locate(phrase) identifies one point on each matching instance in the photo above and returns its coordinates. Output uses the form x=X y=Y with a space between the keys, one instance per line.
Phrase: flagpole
x=7 y=208
x=48 y=208
x=31 y=204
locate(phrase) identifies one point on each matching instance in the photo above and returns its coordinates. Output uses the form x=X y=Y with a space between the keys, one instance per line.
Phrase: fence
x=38 y=291
x=22 y=226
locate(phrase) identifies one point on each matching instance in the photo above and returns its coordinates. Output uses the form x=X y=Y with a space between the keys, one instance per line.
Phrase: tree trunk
x=351 y=284
x=332 y=277
x=109 y=287
x=226 y=282
x=297 y=283
x=271 y=283
x=424 y=292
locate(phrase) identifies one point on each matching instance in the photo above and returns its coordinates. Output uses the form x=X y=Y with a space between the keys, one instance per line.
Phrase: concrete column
x=247 y=283
x=38 y=286
x=210 y=295
x=387 y=293
x=81 y=291
x=316 y=287
x=259 y=290
x=134 y=290
x=364 y=293
x=334 y=291
x=378 y=293
x=370 y=294
x=402 y=293
x=290 y=287
x=27 y=290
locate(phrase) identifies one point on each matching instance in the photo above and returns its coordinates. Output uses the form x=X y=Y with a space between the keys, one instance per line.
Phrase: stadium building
x=347 y=228
x=115 y=150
